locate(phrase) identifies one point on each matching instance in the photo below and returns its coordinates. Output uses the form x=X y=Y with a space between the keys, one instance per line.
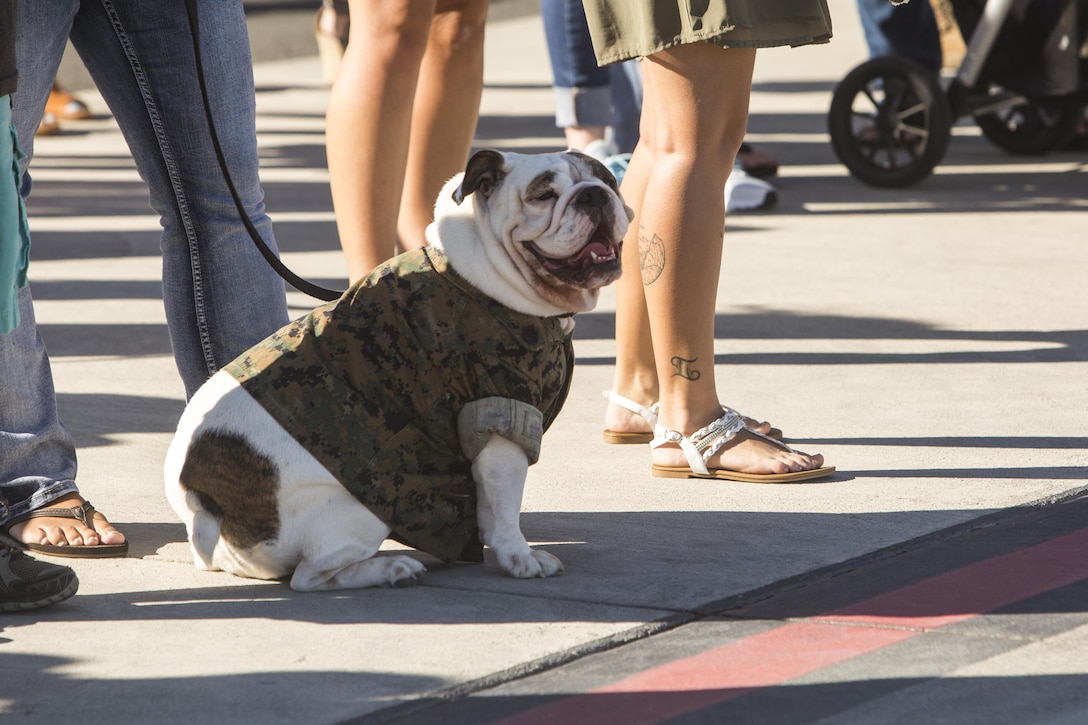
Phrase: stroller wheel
x=1032 y=127
x=890 y=122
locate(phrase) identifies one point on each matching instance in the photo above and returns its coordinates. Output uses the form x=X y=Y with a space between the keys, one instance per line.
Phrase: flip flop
x=83 y=513
x=620 y=438
x=708 y=440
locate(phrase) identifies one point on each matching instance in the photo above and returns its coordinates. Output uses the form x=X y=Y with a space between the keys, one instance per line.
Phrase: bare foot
x=60 y=531
x=620 y=420
x=745 y=453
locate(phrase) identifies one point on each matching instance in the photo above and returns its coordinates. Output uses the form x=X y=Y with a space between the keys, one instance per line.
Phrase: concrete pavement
x=932 y=342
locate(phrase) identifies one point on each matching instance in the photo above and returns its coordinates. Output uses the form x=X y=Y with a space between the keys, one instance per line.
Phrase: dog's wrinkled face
x=559 y=216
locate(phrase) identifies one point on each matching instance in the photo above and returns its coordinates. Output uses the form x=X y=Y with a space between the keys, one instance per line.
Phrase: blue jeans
x=586 y=94
x=220 y=295
x=908 y=30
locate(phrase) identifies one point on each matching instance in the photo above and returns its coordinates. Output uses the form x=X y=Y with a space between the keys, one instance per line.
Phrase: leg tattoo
x=651 y=257
x=684 y=368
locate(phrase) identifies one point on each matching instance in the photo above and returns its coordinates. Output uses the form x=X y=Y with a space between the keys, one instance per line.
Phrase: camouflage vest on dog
x=372 y=386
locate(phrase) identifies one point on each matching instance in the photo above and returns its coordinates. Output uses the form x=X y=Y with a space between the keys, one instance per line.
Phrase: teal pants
x=14 y=235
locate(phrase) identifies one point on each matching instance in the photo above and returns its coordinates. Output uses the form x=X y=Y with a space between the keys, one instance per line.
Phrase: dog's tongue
x=590 y=254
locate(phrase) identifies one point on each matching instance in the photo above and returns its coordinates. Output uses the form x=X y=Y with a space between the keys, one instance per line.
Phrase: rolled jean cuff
x=17 y=499
x=512 y=419
x=591 y=106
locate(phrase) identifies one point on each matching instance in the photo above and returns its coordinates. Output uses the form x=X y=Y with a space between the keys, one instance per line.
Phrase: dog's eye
x=547 y=195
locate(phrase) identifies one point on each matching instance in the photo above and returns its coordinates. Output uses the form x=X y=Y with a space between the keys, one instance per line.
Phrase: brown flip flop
x=83 y=513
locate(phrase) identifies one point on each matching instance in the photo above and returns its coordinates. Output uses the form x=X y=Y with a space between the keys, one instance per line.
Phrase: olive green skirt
x=624 y=29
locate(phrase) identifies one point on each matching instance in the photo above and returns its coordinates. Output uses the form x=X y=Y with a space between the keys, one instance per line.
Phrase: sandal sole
x=617 y=438
x=102 y=551
x=722 y=474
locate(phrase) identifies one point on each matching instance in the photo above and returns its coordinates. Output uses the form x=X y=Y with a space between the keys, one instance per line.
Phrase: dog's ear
x=484 y=171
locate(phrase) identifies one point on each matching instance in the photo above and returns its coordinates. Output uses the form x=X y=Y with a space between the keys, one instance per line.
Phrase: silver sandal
x=705 y=442
x=616 y=437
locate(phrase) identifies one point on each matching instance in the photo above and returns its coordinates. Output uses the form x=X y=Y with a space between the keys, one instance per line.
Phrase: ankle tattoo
x=684 y=368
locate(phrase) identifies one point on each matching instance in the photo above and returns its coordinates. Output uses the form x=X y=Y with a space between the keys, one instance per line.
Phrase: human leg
x=636 y=375
x=693 y=124
x=220 y=295
x=636 y=369
x=909 y=30
x=583 y=94
x=625 y=81
x=447 y=105
x=331 y=24
x=368 y=122
x=37 y=455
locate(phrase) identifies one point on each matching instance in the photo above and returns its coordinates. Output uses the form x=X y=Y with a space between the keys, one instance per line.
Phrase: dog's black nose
x=592 y=196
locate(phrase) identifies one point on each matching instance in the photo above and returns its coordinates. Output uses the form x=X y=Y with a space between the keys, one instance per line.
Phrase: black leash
x=290 y=277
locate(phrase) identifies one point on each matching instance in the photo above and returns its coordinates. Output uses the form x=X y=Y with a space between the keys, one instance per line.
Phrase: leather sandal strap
x=82 y=513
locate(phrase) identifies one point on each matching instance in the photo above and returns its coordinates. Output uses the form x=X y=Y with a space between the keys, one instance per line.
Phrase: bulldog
x=411 y=407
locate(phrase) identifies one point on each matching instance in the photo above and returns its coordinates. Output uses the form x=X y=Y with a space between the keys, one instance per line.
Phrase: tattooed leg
x=665 y=313
x=651 y=257
x=685 y=368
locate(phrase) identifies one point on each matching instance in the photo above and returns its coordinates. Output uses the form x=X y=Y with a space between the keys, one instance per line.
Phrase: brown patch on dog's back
x=236 y=484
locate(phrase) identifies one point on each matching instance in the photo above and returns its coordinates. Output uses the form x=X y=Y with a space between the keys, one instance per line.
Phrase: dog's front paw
x=530 y=564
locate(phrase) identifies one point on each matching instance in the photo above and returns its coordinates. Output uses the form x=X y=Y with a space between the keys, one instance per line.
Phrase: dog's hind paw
x=377 y=571
x=534 y=563
x=404 y=571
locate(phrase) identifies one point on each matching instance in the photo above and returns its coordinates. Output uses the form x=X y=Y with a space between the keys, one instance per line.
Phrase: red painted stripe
x=977 y=588
x=798 y=648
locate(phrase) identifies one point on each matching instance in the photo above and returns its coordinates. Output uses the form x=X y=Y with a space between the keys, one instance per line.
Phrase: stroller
x=1022 y=79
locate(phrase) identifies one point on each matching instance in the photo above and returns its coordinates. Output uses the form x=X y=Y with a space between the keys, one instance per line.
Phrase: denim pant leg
x=909 y=30
x=626 y=84
x=37 y=455
x=583 y=95
x=586 y=94
x=221 y=297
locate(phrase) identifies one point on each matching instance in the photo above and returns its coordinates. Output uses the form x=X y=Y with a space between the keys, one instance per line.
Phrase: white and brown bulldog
x=411 y=407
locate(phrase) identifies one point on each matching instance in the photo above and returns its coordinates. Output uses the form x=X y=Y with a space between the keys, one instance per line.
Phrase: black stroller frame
x=891 y=121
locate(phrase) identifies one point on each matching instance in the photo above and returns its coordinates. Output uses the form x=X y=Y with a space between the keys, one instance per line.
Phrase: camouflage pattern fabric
x=372 y=384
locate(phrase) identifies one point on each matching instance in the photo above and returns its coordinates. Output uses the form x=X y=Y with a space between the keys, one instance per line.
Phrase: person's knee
x=693 y=146
x=398 y=35
x=459 y=25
